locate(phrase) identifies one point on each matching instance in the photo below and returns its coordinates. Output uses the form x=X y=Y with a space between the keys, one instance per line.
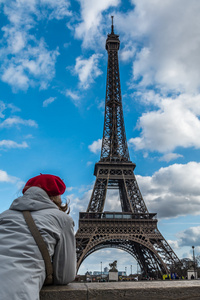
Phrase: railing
x=116 y=215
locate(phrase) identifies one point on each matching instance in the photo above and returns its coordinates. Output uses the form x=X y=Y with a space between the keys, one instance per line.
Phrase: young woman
x=22 y=268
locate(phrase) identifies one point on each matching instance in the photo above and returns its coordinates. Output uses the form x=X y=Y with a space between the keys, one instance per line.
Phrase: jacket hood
x=33 y=199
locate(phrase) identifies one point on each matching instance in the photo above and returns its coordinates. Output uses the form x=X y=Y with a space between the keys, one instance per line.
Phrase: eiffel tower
x=133 y=230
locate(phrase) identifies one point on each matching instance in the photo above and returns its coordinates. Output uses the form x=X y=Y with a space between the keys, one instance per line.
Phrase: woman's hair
x=57 y=200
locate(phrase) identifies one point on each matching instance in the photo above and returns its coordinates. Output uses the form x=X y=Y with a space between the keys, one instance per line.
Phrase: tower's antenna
x=112 y=27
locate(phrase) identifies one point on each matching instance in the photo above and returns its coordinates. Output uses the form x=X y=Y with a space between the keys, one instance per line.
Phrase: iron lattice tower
x=134 y=230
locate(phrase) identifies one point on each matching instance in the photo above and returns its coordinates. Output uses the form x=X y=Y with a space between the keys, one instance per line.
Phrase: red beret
x=52 y=184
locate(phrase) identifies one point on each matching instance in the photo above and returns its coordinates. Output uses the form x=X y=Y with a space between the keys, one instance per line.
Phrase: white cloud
x=173 y=244
x=16 y=39
x=25 y=60
x=58 y=9
x=13 y=121
x=4 y=177
x=170 y=156
x=2 y=108
x=11 y=144
x=79 y=204
x=73 y=95
x=189 y=237
x=20 y=14
x=127 y=52
x=95 y=147
x=35 y=64
x=87 y=69
x=174 y=124
x=172 y=191
x=13 y=108
x=43 y=59
x=68 y=189
x=91 y=26
x=48 y=101
x=28 y=136
x=14 y=75
x=167 y=36
x=112 y=202
x=66 y=45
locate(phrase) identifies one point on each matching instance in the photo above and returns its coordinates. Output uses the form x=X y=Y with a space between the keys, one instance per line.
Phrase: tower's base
x=136 y=234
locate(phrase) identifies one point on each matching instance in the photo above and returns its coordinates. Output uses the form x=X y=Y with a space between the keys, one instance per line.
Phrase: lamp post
x=101 y=269
x=194 y=262
x=126 y=270
x=193 y=256
x=131 y=269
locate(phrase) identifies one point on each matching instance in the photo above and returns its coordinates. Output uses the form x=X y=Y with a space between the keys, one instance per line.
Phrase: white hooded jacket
x=22 y=268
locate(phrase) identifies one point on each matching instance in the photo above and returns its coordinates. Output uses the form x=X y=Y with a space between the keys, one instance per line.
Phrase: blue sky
x=52 y=91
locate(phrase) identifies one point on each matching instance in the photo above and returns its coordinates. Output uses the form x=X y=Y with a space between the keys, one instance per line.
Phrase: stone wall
x=143 y=290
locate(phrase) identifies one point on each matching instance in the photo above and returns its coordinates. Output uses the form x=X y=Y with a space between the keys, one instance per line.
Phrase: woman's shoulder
x=61 y=217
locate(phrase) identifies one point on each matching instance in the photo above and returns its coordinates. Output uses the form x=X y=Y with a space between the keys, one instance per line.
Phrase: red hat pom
x=52 y=184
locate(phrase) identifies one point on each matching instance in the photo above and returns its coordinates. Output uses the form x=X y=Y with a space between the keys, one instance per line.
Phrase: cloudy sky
x=52 y=91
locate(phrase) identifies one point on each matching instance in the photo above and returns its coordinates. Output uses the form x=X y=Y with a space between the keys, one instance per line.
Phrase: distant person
x=22 y=268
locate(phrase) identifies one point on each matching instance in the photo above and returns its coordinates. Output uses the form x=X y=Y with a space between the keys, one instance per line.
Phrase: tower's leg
x=84 y=238
x=165 y=251
x=124 y=199
x=98 y=197
x=134 y=195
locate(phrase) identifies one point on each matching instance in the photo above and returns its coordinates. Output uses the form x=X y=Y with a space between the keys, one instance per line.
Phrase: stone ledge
x=148 y=290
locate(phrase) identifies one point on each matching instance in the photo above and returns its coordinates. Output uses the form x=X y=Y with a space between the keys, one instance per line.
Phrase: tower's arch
x=133 y=246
